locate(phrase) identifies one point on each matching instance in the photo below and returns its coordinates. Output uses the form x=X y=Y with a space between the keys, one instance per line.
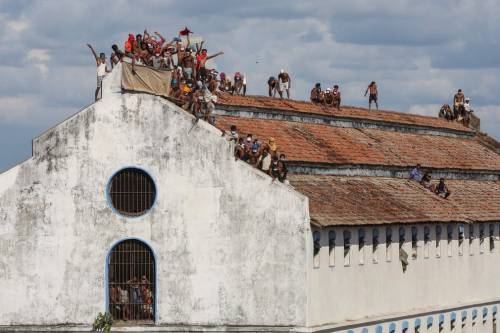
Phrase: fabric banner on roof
x=146 y=79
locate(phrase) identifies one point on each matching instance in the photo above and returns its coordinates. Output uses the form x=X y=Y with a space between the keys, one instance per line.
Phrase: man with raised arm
x=101 y=70
x=372 y=88
x=201 y=59
x=284 y=83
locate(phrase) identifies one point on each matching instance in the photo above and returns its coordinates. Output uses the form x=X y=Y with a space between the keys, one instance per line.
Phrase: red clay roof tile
x=319 y=143
x=262 y=102
x=338 y=200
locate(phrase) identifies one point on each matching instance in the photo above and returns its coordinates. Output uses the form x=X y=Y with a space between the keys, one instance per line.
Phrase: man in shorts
x=458 y=104
x=336 y=97
x=284 y=83
x=101 y=70
x=272 y=83
x=372 y=88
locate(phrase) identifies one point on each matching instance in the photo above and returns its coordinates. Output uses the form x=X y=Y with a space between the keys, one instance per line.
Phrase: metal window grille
x=132 y=192
x=132 y=282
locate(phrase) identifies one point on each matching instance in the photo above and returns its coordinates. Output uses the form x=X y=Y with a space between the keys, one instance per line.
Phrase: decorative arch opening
x=132 y=282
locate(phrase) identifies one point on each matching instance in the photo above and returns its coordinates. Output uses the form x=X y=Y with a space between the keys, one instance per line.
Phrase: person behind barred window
x=336 y=97
x=124 y=302
x=372 y=88
x=284 y=83
x=101 y=70
x=442 y=190
x=272 y=83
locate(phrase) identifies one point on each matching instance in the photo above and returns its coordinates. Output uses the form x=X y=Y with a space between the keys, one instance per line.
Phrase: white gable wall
x=230 y=244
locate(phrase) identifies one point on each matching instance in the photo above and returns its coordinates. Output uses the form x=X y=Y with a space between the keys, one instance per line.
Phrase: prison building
x=133 y=208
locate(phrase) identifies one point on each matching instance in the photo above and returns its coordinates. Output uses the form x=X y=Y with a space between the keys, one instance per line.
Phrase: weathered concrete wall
x=372 y=287
x=230 y=244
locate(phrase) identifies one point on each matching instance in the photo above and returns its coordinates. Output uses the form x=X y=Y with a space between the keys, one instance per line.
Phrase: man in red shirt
x=201 y=59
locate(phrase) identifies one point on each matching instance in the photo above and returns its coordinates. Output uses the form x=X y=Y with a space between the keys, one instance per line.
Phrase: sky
x=418 y=52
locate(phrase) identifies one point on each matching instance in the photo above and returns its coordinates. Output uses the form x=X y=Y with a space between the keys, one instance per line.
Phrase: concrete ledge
x=361 y=170
x=337 y=121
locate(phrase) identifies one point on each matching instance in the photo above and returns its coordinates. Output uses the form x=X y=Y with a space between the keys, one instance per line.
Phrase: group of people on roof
x=461 y=109
x=263 y=155
x=425 y=179
x=192 y=82
x=329 y=97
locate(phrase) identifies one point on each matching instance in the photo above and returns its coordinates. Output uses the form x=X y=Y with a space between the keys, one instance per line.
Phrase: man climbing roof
x=284 y=83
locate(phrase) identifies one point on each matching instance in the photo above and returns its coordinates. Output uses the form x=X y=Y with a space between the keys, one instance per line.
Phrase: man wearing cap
x=458 y=103
x=284 y=83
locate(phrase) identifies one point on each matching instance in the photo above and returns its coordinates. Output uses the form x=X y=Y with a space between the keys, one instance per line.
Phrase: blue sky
x=419 y=53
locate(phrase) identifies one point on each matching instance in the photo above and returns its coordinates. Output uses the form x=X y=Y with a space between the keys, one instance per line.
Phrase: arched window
x=485 y=314
x=430 y=320
x=361 y=246
x=347 y=247
x=132 y=192
x=453 y=321
x=317 y=248
x=464 y=320
x=438 y=241
x=401 y=236
x=427 y=239
x=388 y=243
x=471 y=239
x=461 y=237
x=375 y=242
x=492 y=237
x=494 y=319
x=481 y=238
x=414 y=242
x=364 y=330
x=379 y=329
x=131 y=282
x=441 y=323
x=331 y=246
x=404 y=326
x=392 y=328
x=449 y=237
x=417 y=325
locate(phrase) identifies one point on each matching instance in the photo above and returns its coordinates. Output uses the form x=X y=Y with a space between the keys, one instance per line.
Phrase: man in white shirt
x=101 y=70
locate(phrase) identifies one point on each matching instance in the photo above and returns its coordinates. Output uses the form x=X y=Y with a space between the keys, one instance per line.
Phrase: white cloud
x=38 y=55
x=17 y=109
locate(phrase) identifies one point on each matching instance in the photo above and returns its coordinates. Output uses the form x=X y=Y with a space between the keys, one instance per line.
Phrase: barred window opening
x=132 y=192
x=132 y=282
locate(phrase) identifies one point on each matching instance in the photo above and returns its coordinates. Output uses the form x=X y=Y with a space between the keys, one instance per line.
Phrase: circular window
x=132 y=192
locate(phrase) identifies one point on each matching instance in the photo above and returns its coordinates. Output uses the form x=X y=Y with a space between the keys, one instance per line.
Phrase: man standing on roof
x=272 y=83
x=372 y=88
x=101 y=70
x=201 y=59
x=336 y=97
x=458 y=103
x=284 y=83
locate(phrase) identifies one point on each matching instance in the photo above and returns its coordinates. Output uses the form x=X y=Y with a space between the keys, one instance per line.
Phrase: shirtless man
x=458 y=104
x=187 y=64
x=284 y=83
x=201 y=62
x=238 y=83
x=317 y=96
x=101 y=70
x=336 y=97
x=328 y=97
x=372 y=88
x=116 y=56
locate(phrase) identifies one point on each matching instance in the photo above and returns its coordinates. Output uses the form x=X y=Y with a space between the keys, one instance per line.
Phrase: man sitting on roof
x=372 y=88
x=272 y=83
x=445 y=112
x=442 y=190
x=416 y=173
x=284 y=83
x=336 y=97
x=426 y=182
x=458 y=104
x=328 y=97
x=317 y=95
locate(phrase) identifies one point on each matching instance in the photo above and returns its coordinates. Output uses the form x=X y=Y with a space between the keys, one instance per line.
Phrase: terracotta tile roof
x=327 y=144
x=338 y=200
x=262 y=102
